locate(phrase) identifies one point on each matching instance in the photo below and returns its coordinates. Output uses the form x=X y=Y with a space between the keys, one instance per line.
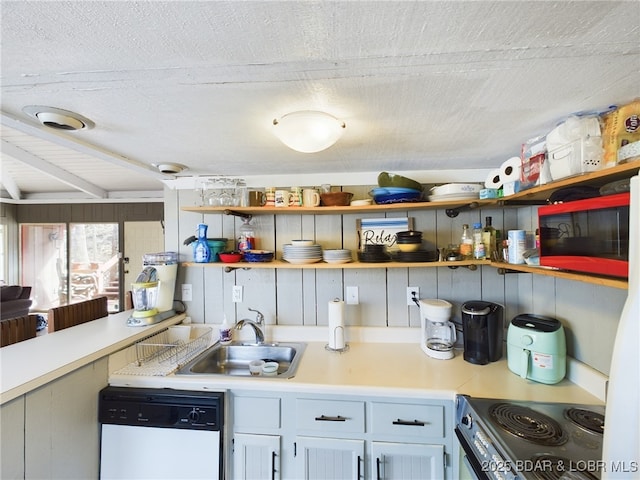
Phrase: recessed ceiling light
x=57 y=118
x=171 y=168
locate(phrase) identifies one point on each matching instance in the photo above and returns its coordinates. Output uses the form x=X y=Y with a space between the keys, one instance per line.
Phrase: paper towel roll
x=336 y=325
x=493 y=179
x=510 y=170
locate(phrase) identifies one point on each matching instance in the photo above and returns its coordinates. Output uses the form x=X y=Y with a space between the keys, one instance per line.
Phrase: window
x=92 y=268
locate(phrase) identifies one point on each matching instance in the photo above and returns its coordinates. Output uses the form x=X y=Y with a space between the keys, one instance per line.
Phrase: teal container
x=216 y=246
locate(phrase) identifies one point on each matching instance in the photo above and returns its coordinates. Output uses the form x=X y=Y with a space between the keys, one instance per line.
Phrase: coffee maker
x=438 y=333
x=482 y=327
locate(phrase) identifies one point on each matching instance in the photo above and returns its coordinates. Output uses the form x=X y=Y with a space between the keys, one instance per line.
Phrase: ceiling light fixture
x=170 y=168
x=308 y=131
x=57 y=118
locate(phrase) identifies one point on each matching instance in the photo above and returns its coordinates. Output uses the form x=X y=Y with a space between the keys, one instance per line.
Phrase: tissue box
x=488 y=193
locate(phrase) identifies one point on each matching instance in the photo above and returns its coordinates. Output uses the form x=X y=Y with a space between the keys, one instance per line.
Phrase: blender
x=145 y=295
x=164 y=266
x=438 y=333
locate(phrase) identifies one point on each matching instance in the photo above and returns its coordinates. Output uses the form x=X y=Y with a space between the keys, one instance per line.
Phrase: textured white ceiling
x=421 y=85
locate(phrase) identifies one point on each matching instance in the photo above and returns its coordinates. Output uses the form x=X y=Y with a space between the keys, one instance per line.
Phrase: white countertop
x=32 y=363
x=381 y=362
x=381 y=369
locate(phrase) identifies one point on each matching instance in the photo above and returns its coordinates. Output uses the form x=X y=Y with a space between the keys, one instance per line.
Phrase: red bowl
x=230 y=257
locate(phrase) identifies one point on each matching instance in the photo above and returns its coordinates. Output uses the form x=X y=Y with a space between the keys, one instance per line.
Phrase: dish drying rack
x=165 y=352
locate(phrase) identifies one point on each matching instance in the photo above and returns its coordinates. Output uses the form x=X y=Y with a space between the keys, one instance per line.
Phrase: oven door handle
x=473 y=462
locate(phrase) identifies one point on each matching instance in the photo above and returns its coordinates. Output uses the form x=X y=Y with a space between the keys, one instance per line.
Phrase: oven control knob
x=467 y=421
x=527 y=340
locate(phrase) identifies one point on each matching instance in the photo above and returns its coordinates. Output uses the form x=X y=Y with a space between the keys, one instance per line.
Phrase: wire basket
x=173 y=345
x=166 y=351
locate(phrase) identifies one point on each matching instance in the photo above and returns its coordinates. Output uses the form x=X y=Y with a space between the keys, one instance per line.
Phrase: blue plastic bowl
x=258 y=255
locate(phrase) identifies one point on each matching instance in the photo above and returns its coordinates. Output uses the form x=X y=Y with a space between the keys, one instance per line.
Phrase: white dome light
x=308 y=131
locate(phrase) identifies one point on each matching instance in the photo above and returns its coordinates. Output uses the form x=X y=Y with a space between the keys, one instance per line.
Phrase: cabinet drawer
x=256 y=412
x=407 y=420
x=330 y=415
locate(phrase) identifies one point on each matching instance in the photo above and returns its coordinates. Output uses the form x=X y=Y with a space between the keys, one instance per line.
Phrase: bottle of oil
x=489 y=239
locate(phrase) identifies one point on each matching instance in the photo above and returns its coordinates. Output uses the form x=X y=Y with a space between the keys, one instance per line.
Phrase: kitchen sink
x=234 y=359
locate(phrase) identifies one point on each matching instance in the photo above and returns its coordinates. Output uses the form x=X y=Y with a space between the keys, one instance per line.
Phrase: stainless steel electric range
x=530 y=440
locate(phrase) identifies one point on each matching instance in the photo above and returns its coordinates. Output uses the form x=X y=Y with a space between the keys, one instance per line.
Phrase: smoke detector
x=171 y=168
x=57 y=118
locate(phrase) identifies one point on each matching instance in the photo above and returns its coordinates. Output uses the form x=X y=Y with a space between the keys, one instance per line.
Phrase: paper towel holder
x=337 y=350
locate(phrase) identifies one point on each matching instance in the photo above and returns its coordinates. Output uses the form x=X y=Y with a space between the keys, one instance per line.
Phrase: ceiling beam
x=58 y=173
x=61 y=139
x=9 y=183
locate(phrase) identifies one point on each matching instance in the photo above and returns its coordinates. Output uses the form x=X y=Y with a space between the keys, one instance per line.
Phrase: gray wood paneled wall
x=300 y=296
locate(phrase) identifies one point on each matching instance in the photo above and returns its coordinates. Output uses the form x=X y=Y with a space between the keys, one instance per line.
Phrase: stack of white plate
x=300 y=254
x=340 y=255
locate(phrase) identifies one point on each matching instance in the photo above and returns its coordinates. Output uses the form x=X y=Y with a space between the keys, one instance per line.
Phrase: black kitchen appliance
x=482 y=327
x=504 y=439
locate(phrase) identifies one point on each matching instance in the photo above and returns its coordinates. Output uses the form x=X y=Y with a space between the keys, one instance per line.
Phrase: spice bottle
x=478 y=245
x=466 y=243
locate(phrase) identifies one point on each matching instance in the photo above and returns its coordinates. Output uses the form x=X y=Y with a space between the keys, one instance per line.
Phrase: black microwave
x=590 y=235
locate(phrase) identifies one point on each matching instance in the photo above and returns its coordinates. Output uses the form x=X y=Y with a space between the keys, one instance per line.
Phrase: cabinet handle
x=413 y=423
x=273 y=465
x=359 y=473
x=378 y=477
x=324 y=418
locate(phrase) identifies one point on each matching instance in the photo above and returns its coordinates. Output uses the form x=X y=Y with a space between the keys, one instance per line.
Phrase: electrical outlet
x=413 y=295
x=352 y=296
x=187 y=292
x=236 y=294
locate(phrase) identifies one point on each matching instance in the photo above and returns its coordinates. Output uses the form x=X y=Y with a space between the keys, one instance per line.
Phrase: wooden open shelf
x=537 y=194
x=502 y=268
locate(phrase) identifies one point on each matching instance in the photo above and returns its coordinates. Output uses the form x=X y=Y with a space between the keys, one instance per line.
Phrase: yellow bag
x=621 y=127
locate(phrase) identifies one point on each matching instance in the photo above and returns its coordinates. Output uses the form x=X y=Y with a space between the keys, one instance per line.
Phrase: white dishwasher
x=161 y=434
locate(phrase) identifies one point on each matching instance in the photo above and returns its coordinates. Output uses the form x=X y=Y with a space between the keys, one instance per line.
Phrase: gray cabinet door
x=406 y=461
x=256 y=457
x=329 y=458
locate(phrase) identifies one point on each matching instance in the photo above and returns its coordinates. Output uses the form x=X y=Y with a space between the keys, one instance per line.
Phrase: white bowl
x=456 y=189
x=361 y=203
x=270 y=369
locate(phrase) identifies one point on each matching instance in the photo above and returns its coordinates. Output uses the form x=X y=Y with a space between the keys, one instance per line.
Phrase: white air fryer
x=536 y=348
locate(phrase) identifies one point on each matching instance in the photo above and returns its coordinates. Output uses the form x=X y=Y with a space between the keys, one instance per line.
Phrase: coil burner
x=528 y=424
x=587 y=419
x=551 y=467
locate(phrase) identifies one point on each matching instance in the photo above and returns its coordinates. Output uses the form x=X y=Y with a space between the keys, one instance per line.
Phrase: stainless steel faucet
x=257 y=326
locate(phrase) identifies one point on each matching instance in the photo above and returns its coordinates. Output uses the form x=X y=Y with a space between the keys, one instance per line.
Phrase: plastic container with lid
x=478 y=245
